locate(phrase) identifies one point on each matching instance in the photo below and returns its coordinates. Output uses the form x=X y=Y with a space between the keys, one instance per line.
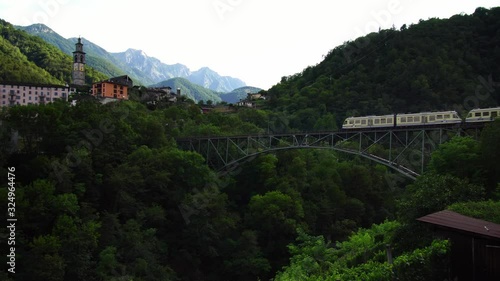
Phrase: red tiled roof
x=457 y=221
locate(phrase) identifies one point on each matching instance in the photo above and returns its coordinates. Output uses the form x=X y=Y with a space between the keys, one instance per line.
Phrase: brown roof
x=460 y=222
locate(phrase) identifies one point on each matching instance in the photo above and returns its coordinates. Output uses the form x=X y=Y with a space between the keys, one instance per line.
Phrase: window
x=477 y=114
x=439 y=117
x=363 y=122
x=432 y=118
x=410 y=119
x=351 y=122
x=403 y=119
x=389 y=120
x=377 y=121
x=383 y=121
x=486 y=113
x=417 y=119
x=446 y=116
x=357 y=122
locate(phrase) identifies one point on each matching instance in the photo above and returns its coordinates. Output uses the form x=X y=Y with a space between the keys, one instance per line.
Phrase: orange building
x=110 y=89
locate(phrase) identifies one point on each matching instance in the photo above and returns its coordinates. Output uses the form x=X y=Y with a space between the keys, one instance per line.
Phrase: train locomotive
x=420 y=119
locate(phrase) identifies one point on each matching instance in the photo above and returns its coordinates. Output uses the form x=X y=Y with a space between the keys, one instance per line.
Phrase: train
x=420 y=119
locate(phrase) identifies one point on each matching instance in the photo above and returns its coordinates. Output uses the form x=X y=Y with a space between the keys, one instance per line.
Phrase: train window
x=410 y=119
x=403 y=119
x=446 y=116
x=439 y=117
x=357 y=122
x=389 y=120
x=486 y=113
x=432 y=118
x=377 y=121
x=382 y=121
x=477 y=114
x=351 y=122
x=417 y=119
x=363 y=122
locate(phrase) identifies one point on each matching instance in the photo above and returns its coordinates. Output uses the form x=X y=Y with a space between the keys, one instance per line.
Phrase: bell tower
x=79 y=64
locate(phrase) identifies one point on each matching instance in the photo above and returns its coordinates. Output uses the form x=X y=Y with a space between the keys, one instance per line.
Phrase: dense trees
x=104 y=187
x=103 y=192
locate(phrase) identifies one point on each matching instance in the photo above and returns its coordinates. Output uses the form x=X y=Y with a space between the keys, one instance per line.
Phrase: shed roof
x=450 y=219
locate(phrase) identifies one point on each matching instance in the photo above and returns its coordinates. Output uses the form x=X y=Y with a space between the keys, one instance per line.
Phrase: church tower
x=79 y=64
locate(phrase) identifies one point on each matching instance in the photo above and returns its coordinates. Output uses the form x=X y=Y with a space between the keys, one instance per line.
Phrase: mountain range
x=144 y=70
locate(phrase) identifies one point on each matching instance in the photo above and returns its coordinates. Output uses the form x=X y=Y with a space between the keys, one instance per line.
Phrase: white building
x=24 y=94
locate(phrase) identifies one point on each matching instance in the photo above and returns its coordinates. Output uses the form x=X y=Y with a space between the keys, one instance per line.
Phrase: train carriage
x=428 y=118
x=483 y=114
x=368 y=122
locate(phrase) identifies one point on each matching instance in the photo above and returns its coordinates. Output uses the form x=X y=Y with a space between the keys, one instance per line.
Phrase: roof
x=463 y=223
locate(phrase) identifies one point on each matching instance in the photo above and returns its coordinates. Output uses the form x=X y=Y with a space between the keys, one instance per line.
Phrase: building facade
x=24 y=94
x=78 y=72
x=110 y=89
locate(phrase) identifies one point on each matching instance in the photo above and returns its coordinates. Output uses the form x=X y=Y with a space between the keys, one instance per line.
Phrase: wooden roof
x=456 y=221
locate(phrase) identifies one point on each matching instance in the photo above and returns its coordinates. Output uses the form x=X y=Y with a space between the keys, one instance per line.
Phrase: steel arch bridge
x=405 y=150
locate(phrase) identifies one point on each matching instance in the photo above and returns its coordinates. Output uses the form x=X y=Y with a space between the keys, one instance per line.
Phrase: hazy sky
x=257 y=41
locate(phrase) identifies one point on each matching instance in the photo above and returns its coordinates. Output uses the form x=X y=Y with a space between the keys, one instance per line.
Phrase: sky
x=257 y=41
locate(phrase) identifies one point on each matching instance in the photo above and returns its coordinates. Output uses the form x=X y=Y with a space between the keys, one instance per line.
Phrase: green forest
x=103 y=192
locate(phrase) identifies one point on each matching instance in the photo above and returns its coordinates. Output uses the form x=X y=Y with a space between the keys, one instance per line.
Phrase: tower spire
x=79 y=63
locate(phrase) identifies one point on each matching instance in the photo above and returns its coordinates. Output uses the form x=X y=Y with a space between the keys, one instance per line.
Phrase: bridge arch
x=405 y=150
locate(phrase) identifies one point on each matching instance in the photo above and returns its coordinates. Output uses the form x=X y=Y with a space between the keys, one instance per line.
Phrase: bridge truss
x=406 y=150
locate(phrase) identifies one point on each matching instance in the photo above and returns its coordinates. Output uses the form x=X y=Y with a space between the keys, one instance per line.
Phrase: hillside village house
x=24 y=94
x=110 y=89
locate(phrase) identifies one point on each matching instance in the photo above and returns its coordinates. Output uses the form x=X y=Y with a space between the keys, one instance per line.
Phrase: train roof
x=430 y=112
x=371 y=116
x=485 y=109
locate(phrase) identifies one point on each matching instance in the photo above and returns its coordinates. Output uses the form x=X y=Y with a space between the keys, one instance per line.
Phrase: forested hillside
x=29 y=59
x=437 y=64
x=102 y=192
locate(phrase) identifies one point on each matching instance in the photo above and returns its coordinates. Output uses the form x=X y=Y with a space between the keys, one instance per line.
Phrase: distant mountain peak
x=136 y=52
x=136 y=63
x=39 y=28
